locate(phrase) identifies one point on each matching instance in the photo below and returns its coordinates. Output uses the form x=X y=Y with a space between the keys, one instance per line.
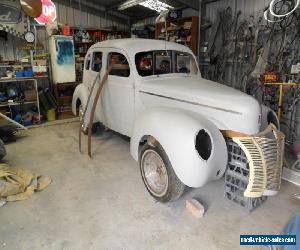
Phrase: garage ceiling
x=110 y=7
x=139 y=12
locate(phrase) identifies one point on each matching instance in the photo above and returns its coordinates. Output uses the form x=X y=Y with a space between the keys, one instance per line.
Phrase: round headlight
x=203 y=144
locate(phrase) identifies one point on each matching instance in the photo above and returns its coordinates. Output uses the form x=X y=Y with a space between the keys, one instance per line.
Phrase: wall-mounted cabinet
x=183 y=31
x=84 y=39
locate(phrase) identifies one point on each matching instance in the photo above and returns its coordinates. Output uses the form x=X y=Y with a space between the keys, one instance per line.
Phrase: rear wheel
x=158 y=174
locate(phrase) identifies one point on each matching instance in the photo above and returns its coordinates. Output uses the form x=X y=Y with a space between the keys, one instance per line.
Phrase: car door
x=118 y=98
x=87 y=71
x=93 y=66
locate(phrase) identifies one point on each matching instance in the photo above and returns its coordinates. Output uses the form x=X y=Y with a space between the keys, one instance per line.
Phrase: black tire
x=96 y=127
x=174 y=188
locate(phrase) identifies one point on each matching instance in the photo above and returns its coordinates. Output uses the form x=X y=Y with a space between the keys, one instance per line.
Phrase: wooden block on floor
x=195 y=208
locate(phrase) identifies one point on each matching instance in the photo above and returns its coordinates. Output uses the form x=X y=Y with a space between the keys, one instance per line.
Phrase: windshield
x=165 y=62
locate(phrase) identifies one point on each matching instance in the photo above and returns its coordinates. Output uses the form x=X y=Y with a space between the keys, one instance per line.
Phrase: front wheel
x=80 y=114
x=158 y=174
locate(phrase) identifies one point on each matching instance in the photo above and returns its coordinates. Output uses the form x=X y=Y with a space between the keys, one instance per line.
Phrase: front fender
x=176 y=131
x=81 y=93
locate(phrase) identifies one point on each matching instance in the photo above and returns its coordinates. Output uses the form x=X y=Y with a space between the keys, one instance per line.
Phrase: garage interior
x=52 y=196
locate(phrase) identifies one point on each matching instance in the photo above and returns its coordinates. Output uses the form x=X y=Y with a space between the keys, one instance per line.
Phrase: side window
x=185 y=63
x=144 y=63
x=88 y=62
x=97 y=61
x=121 y=65
x=163 y=63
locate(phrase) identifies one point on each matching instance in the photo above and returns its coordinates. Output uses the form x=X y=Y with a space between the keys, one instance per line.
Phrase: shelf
x=83 y=43
x=65 y=98
x=16 y=65
x=17 y=79
x=65 y=114
x=181 y=23
x=61 y=86
x=16 y=103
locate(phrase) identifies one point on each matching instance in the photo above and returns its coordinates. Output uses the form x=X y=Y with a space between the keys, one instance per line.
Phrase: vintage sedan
x=182 y=127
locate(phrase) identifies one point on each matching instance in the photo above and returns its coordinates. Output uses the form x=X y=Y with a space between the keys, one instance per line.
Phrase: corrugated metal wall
x=248 y=7
x=234 y=46
x=8 y=48
x=65 y=14
x=75 y=17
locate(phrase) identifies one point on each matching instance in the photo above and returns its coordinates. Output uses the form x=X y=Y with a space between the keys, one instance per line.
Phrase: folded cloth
x=19 y=184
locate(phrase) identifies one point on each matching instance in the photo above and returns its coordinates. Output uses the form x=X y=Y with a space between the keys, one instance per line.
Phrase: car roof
x=135 y=45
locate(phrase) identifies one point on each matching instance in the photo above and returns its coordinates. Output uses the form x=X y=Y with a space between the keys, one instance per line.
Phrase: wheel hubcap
x=80 y=113
x=155 y=173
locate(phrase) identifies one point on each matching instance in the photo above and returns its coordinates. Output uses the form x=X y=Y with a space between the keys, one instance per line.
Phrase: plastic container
x=19 y=74
x=51 y=115
x=28 y=73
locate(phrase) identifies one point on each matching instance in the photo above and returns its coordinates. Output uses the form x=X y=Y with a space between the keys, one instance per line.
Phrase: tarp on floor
x=18 y=184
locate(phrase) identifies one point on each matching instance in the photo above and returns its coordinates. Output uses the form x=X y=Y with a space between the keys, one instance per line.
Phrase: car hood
x=199 y=91
x=227 y=108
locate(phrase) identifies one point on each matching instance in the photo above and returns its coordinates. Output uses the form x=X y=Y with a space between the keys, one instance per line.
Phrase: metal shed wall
x=65 y=14
x=75 y=17
x=247 y=7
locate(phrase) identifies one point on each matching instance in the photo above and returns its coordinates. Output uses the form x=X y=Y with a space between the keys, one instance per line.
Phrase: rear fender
x=81 y=93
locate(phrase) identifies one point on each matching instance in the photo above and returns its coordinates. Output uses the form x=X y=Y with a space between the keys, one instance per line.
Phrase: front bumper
x=264 y=154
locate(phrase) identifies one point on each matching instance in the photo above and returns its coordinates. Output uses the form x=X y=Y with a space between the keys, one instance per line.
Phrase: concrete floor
x=101 y=203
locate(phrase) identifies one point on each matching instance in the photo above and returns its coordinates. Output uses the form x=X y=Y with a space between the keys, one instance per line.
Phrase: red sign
x=48 y=12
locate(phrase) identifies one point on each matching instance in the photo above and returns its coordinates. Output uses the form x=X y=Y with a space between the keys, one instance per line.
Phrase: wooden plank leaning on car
x=91 y=118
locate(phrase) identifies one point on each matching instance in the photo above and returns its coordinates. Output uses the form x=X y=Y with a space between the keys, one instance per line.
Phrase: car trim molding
x=189 y=102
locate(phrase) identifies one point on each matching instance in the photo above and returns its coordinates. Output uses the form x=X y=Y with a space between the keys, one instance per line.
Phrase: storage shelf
x=17 y=79
x=15 y=65
x=174 y=31
x=16 y=103
x=65 y=98
x=82 y=43
x=24 y=80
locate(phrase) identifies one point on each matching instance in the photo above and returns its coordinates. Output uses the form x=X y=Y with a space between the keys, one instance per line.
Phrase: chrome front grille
x=273 y=151
x=264 y=153
x=237 y=178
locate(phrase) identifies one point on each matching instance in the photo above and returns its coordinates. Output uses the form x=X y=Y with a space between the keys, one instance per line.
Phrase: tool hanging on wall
x=90 y=108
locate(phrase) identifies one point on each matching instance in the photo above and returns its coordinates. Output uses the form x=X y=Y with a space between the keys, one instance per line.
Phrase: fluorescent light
x=156 y=5
x=129 y=3
x=151 y=4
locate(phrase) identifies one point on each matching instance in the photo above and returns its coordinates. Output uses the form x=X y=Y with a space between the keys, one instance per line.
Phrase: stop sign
x=48 y=12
